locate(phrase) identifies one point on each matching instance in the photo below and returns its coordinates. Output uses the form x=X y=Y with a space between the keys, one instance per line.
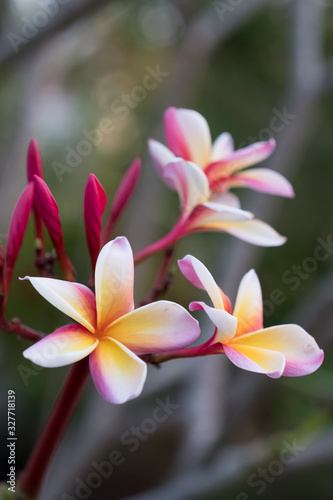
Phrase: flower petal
x=240 y=159
x=66 y=345
x=300 y=349
x=161 y=156
x=257 y=360
x=215 y=217
x=229 y=199
x=188 y=135
x=190 y=182
x=225 y=323
x=118 y=374
x=114 y=276
x=263 y=180
x=197 y=273
x=249 y=307
x=156 y=327
x=73 y=299
x=252 y=231
x=223 y=146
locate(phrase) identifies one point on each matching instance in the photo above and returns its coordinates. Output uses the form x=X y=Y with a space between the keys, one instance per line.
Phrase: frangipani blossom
x=188 y=137
x=279 y=350
x=108 y=328
x=202 y=183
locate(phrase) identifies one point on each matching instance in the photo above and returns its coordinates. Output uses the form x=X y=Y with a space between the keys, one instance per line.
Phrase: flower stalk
x=33 y=474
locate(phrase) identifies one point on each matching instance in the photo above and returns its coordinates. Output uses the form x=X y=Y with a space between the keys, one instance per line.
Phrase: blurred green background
x=240 y=64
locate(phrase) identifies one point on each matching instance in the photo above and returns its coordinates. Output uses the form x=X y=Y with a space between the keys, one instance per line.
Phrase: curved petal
x=257 y=360
x=252 y=231
x=73 y=299
x=249 y=307
x=156 y=327
x=118 y=374
x=225 y=323
x=263 y=180
x=114 y=276
x=240 y=159
x=190 y=182
x=199 y=276
x=223 y=146
x=300 y=349
x=188 y=135
x=161 y=156
x=229 y=199
x=66 y=345
x=214 y=217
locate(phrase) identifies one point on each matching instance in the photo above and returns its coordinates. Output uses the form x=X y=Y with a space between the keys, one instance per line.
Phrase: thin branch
x=71 y=13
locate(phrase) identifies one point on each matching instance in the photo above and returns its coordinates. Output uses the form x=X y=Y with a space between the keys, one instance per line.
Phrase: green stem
x=32 y=476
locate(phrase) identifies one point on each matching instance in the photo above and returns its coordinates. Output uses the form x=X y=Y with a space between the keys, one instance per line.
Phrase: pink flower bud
x=35 y=167
x=48 y=209
x=16 y=232
x=94 y=206
x=34 y=161
x=122 y=196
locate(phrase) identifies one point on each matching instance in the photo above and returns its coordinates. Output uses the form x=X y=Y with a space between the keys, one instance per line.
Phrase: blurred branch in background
x=68 y=14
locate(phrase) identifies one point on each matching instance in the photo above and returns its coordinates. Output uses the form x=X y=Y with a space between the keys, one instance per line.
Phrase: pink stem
x=167 y=241
x=33 y=474
x=25 y=332
x=187 y=352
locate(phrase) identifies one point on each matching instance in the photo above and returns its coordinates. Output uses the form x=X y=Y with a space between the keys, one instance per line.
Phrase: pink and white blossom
x=108 y=329
x=279 y=350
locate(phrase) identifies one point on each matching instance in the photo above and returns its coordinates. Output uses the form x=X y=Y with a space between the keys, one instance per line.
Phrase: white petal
x=249 y=307
x=65 y=346
x=119 y=375
x=73 y=299
x=114 y=277
x=197 y=273
x=222 y=146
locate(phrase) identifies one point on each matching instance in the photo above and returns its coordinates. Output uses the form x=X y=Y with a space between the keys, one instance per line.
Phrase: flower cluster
x=119 y=338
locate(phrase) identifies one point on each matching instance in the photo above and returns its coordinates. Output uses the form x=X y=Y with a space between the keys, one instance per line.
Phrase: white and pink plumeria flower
x=108 y=329
x=202 y=173
x=279 y=350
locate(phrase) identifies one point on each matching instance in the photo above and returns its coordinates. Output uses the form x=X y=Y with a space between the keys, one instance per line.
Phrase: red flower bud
x=48 y=209
x=122 y=196
x=34 y=161
x=35 y=167
x=94 y=206
x=16 y=232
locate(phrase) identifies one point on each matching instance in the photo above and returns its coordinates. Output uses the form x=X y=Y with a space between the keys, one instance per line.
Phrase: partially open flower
x=279 y=350
x=108 y=329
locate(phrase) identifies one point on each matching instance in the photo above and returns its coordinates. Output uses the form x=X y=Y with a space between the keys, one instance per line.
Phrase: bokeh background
x=66 y=66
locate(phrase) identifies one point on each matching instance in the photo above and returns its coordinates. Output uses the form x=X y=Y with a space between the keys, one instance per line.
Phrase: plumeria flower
x=188 y=137
x=279 y=350
x=108 y=329
x=202 y=173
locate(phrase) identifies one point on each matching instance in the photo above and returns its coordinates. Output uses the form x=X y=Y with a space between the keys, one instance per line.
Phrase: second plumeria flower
x=188 y=137
x=202 y=174
x=279 y=350
x=108 y=329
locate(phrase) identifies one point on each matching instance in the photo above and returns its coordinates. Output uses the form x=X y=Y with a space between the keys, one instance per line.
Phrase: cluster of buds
x=119 y=338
